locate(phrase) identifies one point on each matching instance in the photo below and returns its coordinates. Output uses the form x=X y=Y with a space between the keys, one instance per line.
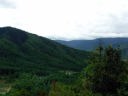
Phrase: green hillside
x=24 y=52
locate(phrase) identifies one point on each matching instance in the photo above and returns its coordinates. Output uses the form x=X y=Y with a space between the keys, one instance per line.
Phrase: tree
x=104 y=71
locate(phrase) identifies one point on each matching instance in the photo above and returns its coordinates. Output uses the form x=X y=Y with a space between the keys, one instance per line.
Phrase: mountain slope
x=92 y=44
x=22 y=51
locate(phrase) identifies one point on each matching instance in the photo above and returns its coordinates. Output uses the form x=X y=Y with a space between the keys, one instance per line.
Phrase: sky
x=67 y=19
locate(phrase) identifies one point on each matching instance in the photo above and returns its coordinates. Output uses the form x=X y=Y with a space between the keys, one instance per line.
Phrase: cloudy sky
x=67 y=19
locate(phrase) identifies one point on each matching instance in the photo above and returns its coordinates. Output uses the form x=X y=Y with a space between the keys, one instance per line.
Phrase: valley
x=31 y=65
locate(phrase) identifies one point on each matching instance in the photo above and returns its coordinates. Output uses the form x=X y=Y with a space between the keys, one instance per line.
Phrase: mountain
x=89 y=45
x=21 y=51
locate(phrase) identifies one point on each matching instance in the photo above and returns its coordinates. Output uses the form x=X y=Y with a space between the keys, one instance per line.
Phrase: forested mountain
x=22 y=51
x=90 y=45
x=31 y=65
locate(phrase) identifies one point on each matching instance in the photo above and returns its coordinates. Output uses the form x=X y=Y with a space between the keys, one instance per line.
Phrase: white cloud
x=69 y=19
x=6 y=4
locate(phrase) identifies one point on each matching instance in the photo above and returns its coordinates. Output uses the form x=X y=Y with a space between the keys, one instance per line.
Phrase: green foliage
x=105 y=73
x=60 y=89
x=95 y=80
x=33 y=85
x=51 y=69
x=29 y=85
x=24 y=52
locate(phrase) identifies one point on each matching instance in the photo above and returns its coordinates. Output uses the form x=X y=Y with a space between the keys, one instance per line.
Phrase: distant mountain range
x=89 y=45
x=21 y=51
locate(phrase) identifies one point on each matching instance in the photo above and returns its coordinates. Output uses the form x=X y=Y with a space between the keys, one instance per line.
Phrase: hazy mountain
x=22 y=51
x=93 y=44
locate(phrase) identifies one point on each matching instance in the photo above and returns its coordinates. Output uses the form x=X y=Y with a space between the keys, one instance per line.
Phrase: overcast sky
x=67 y=19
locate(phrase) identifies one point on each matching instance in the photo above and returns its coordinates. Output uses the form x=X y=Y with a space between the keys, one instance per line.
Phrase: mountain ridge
x=23 y=51
x=89 y=45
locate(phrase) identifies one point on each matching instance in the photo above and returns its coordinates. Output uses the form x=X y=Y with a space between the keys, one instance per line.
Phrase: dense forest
x=21 y=51
x=31 y=66
x=105 y=75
